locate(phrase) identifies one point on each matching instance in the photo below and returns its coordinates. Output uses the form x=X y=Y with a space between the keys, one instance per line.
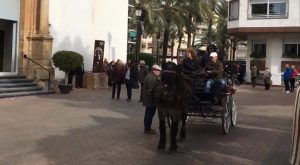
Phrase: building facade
x=272 y=30
x=39 y=28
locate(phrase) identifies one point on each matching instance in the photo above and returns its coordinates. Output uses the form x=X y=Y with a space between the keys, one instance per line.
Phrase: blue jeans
x=149 y=113
x=210 y=82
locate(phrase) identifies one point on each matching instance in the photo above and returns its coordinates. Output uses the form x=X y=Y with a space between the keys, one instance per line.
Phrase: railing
x=49 y=72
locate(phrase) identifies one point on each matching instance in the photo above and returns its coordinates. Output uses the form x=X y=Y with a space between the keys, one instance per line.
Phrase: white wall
x=76 y=24
x=243 y=21
x=10 y=9
x=274 y=52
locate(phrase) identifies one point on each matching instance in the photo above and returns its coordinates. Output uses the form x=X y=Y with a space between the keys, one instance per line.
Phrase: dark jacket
x=118 y=73
x=215 y=69
x=151 y=81
x=190 y=65
x=142 y=74
x=132 y=76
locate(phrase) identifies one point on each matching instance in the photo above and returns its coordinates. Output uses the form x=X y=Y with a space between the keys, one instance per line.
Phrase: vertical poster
x=98 y=56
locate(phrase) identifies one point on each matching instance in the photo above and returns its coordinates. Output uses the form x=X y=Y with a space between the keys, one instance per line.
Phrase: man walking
x=151 y=80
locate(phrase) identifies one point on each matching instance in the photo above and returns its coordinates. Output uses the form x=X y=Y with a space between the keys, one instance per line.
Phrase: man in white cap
x=151 y=80
x=215 y=70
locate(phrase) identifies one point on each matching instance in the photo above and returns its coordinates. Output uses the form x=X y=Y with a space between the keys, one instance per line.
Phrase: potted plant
x=66 y=61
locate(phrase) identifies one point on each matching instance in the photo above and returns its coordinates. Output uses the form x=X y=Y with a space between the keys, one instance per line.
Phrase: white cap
x=142 y=62
x=156 y=67
x=213 y=54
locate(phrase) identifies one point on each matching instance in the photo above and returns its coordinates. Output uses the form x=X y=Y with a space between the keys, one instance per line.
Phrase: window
x=150 y=45
x=259 y=49
x=268 y=8
x=291 y=49
x=233 y=10
x=143 y=45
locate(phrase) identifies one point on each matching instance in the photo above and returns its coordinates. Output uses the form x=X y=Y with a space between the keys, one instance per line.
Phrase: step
x=10 y=85
x=14 y=80
x=13 y=77
x=19 y=89
x=27 y=93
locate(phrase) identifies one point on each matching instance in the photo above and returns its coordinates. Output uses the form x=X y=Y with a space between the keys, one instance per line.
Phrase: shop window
x=268 y=8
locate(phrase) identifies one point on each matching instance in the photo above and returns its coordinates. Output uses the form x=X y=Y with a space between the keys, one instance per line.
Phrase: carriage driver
x=215 y=70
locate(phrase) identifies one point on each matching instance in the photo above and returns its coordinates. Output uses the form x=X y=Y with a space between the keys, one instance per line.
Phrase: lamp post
x=138 y=14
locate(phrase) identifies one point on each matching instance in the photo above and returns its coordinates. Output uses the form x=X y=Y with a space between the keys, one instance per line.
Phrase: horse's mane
x=172 y=88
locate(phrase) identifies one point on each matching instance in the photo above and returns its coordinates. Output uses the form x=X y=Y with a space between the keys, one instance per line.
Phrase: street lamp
x=139 y=17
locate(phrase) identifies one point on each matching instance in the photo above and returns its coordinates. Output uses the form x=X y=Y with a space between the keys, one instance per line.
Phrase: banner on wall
x=98 y=56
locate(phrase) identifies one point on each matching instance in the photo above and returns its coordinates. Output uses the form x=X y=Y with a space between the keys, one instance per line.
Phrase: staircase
x=16 y=85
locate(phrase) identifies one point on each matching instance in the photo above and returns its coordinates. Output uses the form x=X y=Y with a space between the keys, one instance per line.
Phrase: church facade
x=39 y=28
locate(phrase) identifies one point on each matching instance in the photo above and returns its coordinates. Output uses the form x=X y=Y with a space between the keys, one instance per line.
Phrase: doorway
x=8 y=46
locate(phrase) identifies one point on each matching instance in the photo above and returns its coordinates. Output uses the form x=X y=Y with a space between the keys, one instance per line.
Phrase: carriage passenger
x=191 y=63
x=215 y=70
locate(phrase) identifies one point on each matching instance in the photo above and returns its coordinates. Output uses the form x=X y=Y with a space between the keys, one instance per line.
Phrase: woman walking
x=293 y=77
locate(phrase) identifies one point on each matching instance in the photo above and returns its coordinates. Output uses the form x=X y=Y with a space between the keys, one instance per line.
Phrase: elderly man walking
x=151 y=81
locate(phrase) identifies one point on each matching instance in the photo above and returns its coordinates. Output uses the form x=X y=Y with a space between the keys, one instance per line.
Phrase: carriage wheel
x=233 y=111
x=226 y=119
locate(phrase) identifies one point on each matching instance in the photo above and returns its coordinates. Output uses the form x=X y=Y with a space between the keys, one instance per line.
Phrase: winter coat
x=150 y=83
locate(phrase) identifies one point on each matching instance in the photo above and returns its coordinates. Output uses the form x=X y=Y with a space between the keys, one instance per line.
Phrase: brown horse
x=171 y=96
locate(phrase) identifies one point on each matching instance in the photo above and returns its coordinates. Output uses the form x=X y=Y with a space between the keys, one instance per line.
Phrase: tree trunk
x=165 y=44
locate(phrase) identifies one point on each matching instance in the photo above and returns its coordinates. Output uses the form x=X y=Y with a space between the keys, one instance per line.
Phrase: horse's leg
x=162 y=132
x=174 y=130
x=183 y=129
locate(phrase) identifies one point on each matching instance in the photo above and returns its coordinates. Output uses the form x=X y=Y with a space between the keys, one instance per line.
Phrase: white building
x=272 y=29
x=76 y=24
x=39 y=28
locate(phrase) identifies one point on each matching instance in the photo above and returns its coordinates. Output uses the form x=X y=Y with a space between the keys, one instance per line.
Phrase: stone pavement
x=86 y=127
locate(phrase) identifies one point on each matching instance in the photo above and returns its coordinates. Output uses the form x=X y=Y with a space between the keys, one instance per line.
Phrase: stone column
x=44 y=17
x=36 y=39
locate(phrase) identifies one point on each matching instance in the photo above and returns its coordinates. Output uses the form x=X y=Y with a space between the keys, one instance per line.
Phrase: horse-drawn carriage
x=179 y=95
x=218 y=103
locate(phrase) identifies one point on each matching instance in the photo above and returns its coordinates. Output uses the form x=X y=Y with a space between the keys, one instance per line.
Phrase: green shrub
x=67 y=60
x=148 y=58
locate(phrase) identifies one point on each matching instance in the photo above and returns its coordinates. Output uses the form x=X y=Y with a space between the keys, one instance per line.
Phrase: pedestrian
x=267 y=79
x=79 y=72
x=254 y=74
x=129 y=80
x=295 y=150
x=286 y=77
x=105 y=65
x=151 y=80
x=117 y=78
x=142 y=73
x=109 y=72
x=70 y=77
x=235 y=72
x=293 y=77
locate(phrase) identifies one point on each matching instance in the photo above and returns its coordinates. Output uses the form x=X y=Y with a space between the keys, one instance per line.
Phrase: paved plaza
x=86 y=127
